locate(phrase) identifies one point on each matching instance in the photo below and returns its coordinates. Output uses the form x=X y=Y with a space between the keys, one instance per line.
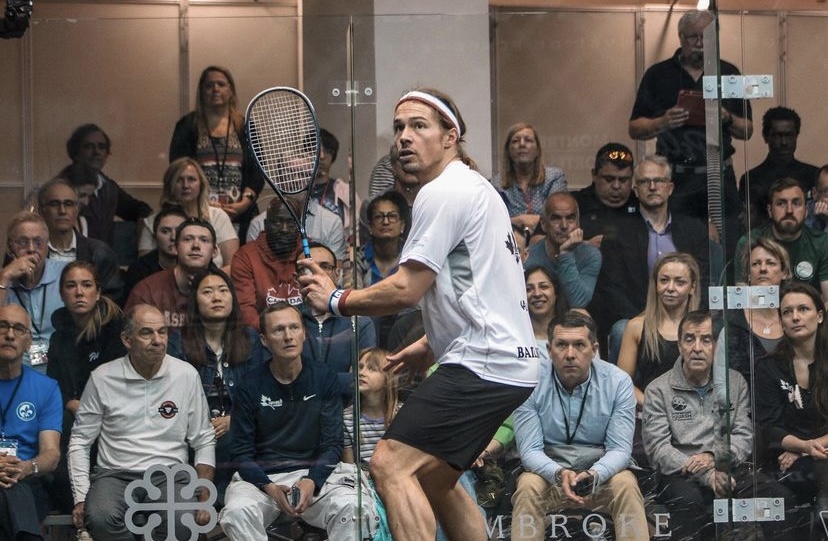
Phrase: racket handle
x=304 y=271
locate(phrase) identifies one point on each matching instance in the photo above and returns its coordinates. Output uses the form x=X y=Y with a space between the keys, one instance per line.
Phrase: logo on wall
x=168 y=409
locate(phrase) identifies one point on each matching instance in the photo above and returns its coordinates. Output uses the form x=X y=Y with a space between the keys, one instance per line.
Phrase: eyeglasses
x=19 y=330
x=23 y=242
x=618 y=155
x=658 y=181
x=68 y=204
x=379 y=217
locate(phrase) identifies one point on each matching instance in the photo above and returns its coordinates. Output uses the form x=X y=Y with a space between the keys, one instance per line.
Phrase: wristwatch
x=559 y=477
x=35 y=468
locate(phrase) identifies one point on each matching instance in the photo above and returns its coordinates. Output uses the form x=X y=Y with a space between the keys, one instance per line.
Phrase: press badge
x=37 y=353
x=8 y=446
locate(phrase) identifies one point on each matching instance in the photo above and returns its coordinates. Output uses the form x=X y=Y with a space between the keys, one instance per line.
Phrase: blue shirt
x=659 y=244
x=602 y=441
x=36 y=406
x=577 y=270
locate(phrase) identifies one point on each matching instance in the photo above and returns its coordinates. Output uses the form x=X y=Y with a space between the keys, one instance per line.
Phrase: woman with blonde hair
x=186 y=185
x=525 y=181
x=650 y=343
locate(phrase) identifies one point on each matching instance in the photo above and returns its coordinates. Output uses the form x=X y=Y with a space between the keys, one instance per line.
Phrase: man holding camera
x=575 y=438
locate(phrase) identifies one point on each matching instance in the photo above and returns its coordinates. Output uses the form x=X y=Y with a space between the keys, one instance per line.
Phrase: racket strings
x=284 y=139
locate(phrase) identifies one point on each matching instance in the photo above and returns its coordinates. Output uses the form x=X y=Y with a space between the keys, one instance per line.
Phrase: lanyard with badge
x=8 y=445
x=571 y=437
x=39 y=348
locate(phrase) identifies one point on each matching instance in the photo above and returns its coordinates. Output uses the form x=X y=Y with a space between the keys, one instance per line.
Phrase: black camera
x=16 y=18
x=584 y=487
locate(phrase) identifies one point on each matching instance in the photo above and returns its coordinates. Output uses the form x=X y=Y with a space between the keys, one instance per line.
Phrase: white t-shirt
x=476 y=312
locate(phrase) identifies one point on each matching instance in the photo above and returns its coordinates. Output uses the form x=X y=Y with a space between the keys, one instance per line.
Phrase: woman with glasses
x=792 y=396
x=213 y=135
x=525 y=181
x=223 y=351
x=387 y=221
x=87 y=334
x=186 y=185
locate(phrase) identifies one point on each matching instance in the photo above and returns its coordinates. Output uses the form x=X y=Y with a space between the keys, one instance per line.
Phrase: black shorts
x=453 y=414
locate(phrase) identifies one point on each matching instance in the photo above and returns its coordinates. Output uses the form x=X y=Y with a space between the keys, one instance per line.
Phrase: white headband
x=434 y=102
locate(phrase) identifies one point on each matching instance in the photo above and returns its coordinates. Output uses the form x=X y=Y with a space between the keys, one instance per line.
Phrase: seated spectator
x=628 y=260
x=87 y=334
x=563 y=252
x=545 y=304
x=31 y=280
x=58 y=204
x=329 y=339
x=650 y=343
x=791 y=403
x=609 y=199
x=817 y=214
x=388 y=218
x=780 y=130
x=213 y=135
x=287 y=435
x=264 y=271
x=31 y=432
x=321 y=225
x=332 y=193
x=752 y=333
x=808 y=249
x=144 y=409
x=405 y=184
x=695 y=463
x=89 y=147
x=224 y=352
x=525 y=182
x=164 y=224
x=572 y=459
x=168 y=290
x=186 y=185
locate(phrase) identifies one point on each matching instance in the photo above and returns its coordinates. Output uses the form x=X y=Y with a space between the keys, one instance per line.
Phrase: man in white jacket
x=145 y=409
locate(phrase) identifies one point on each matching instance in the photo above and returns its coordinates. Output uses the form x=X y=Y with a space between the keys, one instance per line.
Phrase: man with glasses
x=670 y=107
x=31 y=415
x=628 y=259
x=264 y=271
x=329 y=338
x=58 y=204
x=609 y=198
x=32 y=280
x=563 y=252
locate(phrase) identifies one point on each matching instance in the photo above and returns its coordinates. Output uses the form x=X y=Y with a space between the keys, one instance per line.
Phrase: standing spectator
x=576 y=429
x=525 y=182
x=780 y=130
x=144 y=409
x=224 y=352
x=670 y=107
x=31 y=425
x=88 y=148
x=31 y=280
x=58 y=204
x=186 y=185
x=564 y=252
x=87 y=334
x=213 y=135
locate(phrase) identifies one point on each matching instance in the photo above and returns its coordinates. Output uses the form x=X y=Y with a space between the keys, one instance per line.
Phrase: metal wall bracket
x=749 y=510
x=343 y=93
x=743 y=87
x=741 y=297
